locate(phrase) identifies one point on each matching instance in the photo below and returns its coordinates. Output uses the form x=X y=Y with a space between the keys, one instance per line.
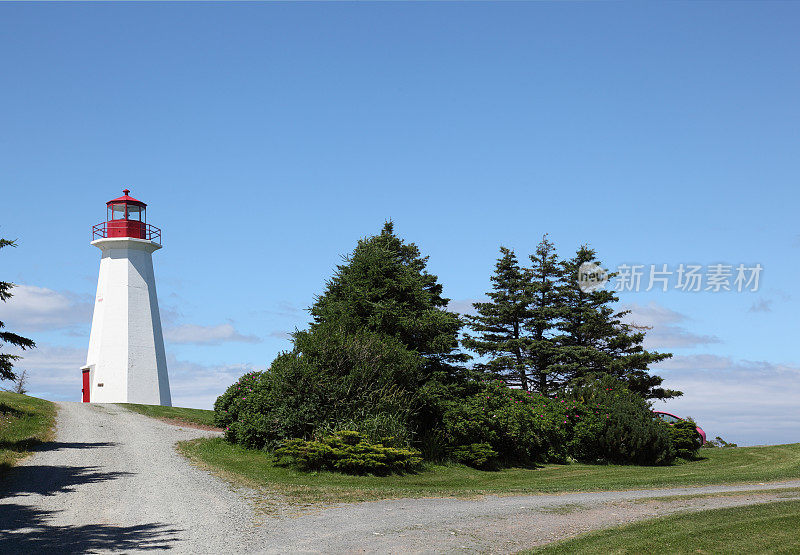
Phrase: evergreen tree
x=7 y=360
x=378 y=358
x=597 y=342
x=500 y=323
x=384 y=287
x=542 y=323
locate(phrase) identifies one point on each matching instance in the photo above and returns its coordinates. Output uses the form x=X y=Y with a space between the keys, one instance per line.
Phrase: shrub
x=329 y=382
x=228 y=405
x=501 y=425
x=348 y=452
x=609 y=423
x=478 y=455
x=685 y=439
x=388 y=428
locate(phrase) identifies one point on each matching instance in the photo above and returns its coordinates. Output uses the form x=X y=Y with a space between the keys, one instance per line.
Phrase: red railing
x=126 y=228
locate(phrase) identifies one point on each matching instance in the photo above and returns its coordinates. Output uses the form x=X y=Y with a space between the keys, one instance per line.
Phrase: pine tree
x=384 y=287
x=500 y=323
x=379 y=358
x=544 y=347
x=596 y=341
x=7 y=360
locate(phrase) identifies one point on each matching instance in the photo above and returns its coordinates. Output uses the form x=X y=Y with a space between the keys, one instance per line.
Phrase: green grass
x=782 y=493
x=720 y=466
x=24 y=423
x=763 y=528
x=176 y=414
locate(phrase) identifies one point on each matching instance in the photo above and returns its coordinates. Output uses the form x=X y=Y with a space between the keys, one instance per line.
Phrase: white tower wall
x=126 y=356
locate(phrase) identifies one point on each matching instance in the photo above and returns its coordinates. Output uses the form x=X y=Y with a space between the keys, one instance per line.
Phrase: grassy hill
x=718 y=466
x=24 y=423
x=764 y=528
x=177 y=415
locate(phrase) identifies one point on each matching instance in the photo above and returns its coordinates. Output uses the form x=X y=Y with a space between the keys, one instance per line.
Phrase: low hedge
x=599 y=421
x=348 y=452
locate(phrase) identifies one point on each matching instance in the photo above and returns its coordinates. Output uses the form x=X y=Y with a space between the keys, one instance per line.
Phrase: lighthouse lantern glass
x=117 y=212
x=135 y=212
x=124 y=211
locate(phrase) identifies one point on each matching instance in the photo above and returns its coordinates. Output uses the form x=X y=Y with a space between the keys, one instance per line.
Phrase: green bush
x=228 y=405
x=381 y=360
x=348 y=452
x=478 y=455
x=329 y=382
x=685 y=440
x=518 y=427
x=608 y=423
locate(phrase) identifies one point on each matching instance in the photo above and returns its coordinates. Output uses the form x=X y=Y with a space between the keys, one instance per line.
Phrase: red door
x=86 y=386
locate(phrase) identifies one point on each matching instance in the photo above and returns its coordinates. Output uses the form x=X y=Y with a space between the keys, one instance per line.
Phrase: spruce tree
x=383 y=286
x=544 y=346
x=7 y=360
x=378 y=358
x=595 y=339
x=499 y=324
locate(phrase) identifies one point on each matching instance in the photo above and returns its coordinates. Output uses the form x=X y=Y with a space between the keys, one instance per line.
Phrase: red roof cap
x=127 y=199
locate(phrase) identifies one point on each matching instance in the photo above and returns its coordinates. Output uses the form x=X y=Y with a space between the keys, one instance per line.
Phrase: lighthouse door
x=86 y=386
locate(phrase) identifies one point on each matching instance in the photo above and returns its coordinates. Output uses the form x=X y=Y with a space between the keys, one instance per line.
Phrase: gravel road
x=112 y=482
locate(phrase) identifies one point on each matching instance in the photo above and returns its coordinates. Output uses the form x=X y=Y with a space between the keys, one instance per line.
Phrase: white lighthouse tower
x=126 y=361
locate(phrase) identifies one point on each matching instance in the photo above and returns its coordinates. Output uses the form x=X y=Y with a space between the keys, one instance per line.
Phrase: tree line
x=540 y=331
x=384 y=364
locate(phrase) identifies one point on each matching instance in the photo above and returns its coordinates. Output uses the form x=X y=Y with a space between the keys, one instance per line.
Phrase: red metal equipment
x=126 y=217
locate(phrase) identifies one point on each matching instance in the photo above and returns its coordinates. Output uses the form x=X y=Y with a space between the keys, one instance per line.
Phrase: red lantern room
x=126 y=217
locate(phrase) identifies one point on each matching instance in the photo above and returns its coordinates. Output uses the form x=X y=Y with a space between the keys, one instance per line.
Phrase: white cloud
x=169 y=313
x=54 y=374
x=652 y=315
x=780 y=293
x=37 y=308
x=281 y=308
x=697 y=362
x=464 y=306
x=761 y=305
x=747 y=402
x=670 y=337
x=207 y=335
x=53 y=371
x=198 y=385
x=284 y=308
x=664 y=332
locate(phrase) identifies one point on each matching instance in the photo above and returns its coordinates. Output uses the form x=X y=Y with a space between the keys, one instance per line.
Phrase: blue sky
x=267 y=138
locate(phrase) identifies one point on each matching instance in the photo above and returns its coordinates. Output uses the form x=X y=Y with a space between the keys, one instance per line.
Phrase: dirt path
x=112 y=481
x=490 y=525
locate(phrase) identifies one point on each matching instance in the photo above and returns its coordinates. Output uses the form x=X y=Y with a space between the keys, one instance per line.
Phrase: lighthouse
x=126 y=361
